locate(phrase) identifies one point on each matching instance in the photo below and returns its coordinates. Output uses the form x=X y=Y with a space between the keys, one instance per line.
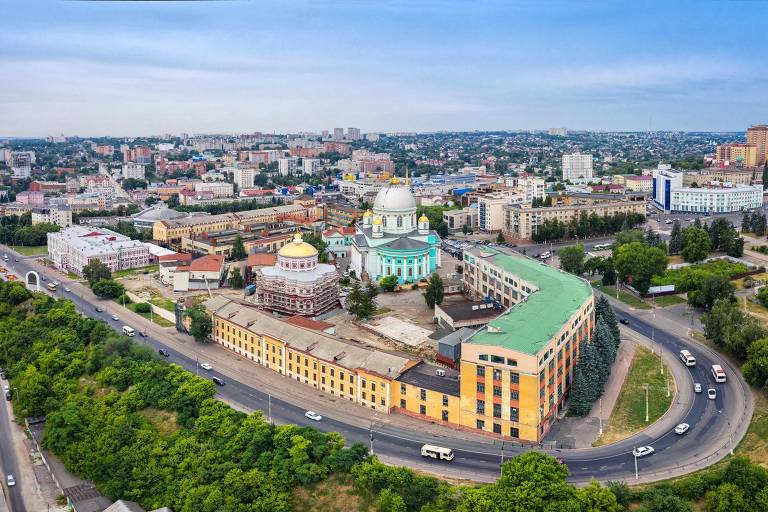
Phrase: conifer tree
x=580 y=403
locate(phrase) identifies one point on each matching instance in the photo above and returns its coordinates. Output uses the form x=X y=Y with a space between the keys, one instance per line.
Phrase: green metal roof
x=529 y=325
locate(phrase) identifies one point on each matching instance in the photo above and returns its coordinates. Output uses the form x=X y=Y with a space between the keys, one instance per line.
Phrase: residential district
x=422 y=276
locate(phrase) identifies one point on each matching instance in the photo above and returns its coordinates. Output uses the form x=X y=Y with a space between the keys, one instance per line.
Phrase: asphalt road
x=8 y=462
x=710 y=420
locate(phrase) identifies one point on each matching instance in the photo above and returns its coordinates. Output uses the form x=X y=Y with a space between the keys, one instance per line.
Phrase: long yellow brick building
x=514 y=374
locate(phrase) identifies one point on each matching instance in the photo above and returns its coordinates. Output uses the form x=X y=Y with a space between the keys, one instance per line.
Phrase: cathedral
x=390 y=241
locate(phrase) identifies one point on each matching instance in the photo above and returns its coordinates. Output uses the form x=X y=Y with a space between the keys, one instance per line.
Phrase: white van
x=545 y=255
x=436 y=452
x=128 y=331
x=718 y=373
x=687 y=358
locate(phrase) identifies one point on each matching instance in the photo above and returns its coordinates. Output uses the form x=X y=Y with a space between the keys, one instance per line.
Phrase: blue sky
x=129 y=68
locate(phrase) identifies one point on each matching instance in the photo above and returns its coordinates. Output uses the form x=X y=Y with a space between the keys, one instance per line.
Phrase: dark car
x=164 y=352
x=2 y=375
x=8 y=395
x=44 y=278
x=143 y=334
x=16 y=260
x=99 y=310
x=218 y=381
x=624 y=321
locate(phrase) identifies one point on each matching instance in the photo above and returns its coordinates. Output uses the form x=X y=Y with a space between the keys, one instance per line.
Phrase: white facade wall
x=577 y=168
x=135 y=171
x=287 y=166
x=244 y=177
x=311 y=166
x=716 y=200
x=217 y=188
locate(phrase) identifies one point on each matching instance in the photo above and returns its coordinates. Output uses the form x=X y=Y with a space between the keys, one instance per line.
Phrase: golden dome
x=377 y=220
x=423 y=218
x=298 y=248
x=367 y=213
x=395 y=180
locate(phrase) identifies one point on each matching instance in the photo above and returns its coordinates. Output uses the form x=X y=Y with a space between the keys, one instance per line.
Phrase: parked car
x=115 y=318
x=16 y=260
x=67 y=289
x=624 y=321
x=313 y=415
x=218 y=381
x=8 y=396
x=205 y=366
x=99 y=309
x=697 y=388
x=2 y=375
x=711 y=393
x=642 y=451
x=164 y=352
x=143 y=334
x=10 y=480
x=682 y=428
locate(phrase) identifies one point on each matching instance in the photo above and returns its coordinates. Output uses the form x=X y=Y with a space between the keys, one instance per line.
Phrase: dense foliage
x=586 y=226
x=435 y=291
x=637 y=263
x=692 y=277
x=595 y=360
x=362 y=301
x=18 y=230
x=572 y=258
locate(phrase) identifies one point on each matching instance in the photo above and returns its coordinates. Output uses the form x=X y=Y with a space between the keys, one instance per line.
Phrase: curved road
x=716 y=425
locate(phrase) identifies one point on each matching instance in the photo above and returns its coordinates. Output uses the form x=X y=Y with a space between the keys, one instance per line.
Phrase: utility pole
x=370 y=437
x=646 y=403
x=635 y=457
x=501 y=467
x=269 y=407
x=668 y=391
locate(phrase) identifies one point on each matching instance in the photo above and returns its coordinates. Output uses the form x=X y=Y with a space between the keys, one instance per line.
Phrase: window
x=373 y=398
x=496 y=374
x=481 y=407
x=362 y=383
x=445 y=415
x=481 y=371
x=515 y=395
x=373 y=386
x=402 y=404
x=422 y=409
x=514 y=377
x=402 y=389
x=497 y=359
x=445 y=400
x=496 y=390
x=496 y=428
x=483 y=357
x=497 y=410
x=423 y=394
x=480 y=387
x=514 y=432
x=363 y=394
x=480 y=424
x=514 y=413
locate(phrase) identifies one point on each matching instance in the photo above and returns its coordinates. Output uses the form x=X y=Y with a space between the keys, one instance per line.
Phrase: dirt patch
x=163 y=421
x=335 y=494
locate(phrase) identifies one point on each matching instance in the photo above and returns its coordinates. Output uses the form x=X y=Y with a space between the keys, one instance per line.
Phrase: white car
x=67 y=290
x=711 y=393
x=6 y=387
x=697 y=388
x=642 y=451
x=10 y=480
x=115 y=318
x=313 y=415
x=682 y=428
x=206 y=366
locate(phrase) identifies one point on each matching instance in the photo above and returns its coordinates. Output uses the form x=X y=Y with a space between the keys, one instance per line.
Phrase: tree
x=318 y=243
x=755 y=368
x=500 y=238
x=236 y=280
x=572 y=259
x=200 y=323
x=388 y=283
x=745 y=221
x=676 y=238
x=173 y=201
x=238 y=249
x=664 y=500
x=727 y=497
x=695 y=244
x=593 y=497
x=712 y=289
x=465 y=229
x=637 y=263
x=629 y=236
x=579 y=401
x=142 y=307
x=361 y=303
x=108 y=289
x=95 y=271
x=390 y=501
x=435 y=291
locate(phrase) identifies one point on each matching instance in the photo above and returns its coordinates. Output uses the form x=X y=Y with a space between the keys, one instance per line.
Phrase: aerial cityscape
x=392 y=257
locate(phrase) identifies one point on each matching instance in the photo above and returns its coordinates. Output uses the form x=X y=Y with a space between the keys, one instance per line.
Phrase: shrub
x=143 y=307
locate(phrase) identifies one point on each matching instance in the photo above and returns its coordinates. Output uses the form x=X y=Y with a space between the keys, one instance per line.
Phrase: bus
x=436 y=452
x=718 y=373
x=602 y=247
x=128 y=331
x=687 y=358
x=53 y=287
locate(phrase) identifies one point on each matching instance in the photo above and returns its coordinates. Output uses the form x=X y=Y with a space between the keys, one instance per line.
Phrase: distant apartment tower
x=758 y=135
x=139 y=154
x=287 y=166
x=21 y=164
x=244 y=177
x=739 y=155
x=577 y=168
x=311 y=166
x=338 y=134
x=559 y=132
x=353 y=133
x=133 y=170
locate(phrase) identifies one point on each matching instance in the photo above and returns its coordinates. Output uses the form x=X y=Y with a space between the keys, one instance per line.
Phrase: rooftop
x=308 y=323
x=208 y=263
x=463 y=310
x=529 y=325
x=425 y=375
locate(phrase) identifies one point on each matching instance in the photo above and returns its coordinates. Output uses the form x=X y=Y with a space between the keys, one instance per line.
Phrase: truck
x=250 y=289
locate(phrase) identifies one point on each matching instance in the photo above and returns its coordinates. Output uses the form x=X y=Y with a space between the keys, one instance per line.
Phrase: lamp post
x=269 y=407
x=646 y=403
x=600 y=417
x=370 y=438
x=635 y=457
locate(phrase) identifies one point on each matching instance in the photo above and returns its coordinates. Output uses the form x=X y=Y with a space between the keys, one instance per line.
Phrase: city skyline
x=123 y=68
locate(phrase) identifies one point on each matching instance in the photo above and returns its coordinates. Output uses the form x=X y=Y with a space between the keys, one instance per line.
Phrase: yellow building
x=739 y=155
x=516 y=372
x=758 y=135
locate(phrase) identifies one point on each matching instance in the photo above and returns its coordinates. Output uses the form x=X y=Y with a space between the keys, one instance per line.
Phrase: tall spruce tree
x=605 y=344
x=580 y=402
x=676 y=238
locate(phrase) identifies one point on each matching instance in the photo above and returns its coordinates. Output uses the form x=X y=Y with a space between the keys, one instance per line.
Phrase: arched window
x=399 y=221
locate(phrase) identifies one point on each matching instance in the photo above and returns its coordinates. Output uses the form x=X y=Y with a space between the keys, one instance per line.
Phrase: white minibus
x=128 y=331
x=687 y=358
x=718 y=373
x=436 y=452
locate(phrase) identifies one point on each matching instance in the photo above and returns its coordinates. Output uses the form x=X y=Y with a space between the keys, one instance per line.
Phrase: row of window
x=514 y=377
x=513 y=431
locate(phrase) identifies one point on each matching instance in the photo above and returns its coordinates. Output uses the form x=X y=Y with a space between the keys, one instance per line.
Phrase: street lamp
x=601 y=415
x=635 y=457
x=646 y=403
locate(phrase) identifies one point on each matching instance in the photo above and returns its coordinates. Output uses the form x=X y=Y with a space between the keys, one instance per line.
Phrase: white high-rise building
x=135 y=171
x=287 y=166
x=311 y=166
x=21 y=163
x=338 y=134
x=577 y=168
x=244 y=177
x=353 y=133
x=559 y=132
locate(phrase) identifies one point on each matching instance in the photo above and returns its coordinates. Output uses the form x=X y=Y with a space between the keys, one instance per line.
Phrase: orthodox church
x=390 y=241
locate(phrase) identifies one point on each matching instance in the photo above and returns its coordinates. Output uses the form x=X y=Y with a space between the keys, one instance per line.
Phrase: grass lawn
x=337 y=493
x=628 y=415
x=626 y=298
x=166 y=304
x=162 y=322
x=32 y=250
x=134 y=271
x=669 y=300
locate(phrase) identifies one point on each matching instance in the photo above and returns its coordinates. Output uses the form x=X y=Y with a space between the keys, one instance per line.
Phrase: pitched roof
x=405 y=243
x=263 y=259
x=341 y=231
x=208 y=263
x=176 y=256
x=308 y=323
